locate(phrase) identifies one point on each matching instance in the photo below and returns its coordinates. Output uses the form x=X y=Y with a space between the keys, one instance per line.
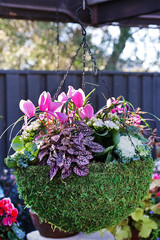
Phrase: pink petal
x=86 y=111
x=62 y=117
x=62 y=98
x=44 y=101
x=27 y=107
x=5 y=221
x=71 y=91
x=77 y=98
x=54 y=106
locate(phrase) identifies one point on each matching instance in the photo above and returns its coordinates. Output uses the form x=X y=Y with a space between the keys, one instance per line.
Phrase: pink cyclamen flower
x=27 y=107
x=44 y=101
x=62 y=117
x=86 y=112
x=62 y=98
x=156 y=176
x=71 y=91
x=78 y=98
x=55 y=106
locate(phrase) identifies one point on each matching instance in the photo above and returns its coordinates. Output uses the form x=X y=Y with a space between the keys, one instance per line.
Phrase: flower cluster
x=67 y=135
x=8 y=212
x=8 y=222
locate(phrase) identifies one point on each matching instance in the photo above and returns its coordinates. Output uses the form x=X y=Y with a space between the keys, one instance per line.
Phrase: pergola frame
x=105 y=12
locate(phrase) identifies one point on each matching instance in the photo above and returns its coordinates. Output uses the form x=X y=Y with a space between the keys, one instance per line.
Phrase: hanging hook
x=84 y=4
x=79 y=21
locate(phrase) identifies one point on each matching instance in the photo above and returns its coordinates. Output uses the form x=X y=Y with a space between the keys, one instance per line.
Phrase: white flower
x=127 y=146
x=98 y=123
x=111 y=124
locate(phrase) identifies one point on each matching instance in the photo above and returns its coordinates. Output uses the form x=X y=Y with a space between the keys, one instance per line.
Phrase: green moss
x=108 y=194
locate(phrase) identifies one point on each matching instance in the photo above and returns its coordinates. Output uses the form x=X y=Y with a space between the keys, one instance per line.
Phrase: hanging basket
x=108 y=194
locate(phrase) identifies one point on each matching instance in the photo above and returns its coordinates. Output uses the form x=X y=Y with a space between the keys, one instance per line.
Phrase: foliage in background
x=32 y=45
x=145 y=220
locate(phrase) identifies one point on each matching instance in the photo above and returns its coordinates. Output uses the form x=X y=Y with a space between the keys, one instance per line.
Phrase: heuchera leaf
x=65 y=173
x=81 y=171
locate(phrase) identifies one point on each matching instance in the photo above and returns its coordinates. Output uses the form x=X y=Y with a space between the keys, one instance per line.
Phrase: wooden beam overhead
x=104 y=12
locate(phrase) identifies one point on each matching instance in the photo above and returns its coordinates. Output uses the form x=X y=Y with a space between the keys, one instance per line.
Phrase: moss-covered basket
x=109 y=193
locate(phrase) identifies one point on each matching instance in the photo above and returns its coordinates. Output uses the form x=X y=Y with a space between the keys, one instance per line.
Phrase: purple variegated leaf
x=42 y=153
x=81 y=123
x=55 y=155
x=87 y=132
x=59 y=162
x=55 y=138
x=53 y=171
x=76 y=140
x=65 y=141
x=62 y=148
x=81 y=170
x=51 y=161
x=81 y=160
x=52 y=148
x=89 y=156
x=65 y=173
x=81 y=136
x=44 y=146
x=67 y=131
x=98 y=149
x=87 y=139
x=80 y=147
x=95 y=145
x=67 y=162
x=70 y=151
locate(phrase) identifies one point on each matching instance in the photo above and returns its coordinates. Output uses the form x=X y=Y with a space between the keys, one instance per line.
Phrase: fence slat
x=3 y=120
x=134 y=90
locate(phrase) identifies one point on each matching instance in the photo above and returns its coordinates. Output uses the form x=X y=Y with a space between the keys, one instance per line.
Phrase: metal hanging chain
x=57 y=41
x=84 y=66
x=67 y=71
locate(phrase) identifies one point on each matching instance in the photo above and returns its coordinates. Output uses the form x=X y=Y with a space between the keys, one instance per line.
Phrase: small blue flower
x=158 y=238
x=151 y=212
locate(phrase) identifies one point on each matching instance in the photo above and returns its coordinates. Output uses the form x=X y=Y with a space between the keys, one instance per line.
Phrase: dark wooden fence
x=142 y=89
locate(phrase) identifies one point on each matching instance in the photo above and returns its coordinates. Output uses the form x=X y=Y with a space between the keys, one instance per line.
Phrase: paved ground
x=81 y=236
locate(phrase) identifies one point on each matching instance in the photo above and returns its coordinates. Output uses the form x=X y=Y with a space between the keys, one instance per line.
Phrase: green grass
x=108 y=194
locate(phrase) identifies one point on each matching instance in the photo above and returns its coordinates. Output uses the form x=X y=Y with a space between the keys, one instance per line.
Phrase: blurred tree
x=32 y=45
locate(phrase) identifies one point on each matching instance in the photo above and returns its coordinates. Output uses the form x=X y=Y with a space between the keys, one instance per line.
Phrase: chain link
x=84 y=65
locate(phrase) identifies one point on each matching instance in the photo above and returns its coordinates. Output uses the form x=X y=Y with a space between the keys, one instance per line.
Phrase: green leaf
x=116 y=137
x=17 y=144
x=137 y=214
x=11 y=235
x=19 y=233
x=87 y=97
x=102 y=134
x=123 y=233
x=105 y=151
x=31 y=147
x=109 y=157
